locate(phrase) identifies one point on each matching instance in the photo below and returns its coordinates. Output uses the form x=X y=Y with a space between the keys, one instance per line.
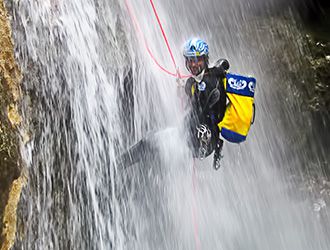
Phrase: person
x=206 y=92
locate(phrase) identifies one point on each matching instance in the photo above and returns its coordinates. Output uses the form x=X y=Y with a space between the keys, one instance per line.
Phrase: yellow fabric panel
x=238 y=114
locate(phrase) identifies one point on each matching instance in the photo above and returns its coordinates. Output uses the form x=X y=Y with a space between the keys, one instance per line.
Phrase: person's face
x=196 y=64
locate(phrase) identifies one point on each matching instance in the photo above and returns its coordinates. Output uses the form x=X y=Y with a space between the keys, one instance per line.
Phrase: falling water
x=91 y=90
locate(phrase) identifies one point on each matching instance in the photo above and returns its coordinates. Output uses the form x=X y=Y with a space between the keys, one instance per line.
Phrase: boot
x=217 y=154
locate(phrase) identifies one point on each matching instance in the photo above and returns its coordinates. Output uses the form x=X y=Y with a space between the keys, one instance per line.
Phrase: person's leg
x=191 y=122
x=217 y=151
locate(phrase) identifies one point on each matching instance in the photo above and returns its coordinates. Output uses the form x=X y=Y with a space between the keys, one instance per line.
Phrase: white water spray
x=95 y=91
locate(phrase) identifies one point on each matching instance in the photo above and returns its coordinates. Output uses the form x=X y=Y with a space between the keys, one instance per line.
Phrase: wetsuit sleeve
x=222 y=103
x=220 y=72
x=222 y=63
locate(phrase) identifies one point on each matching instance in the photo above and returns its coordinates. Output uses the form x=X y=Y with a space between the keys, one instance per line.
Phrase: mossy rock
x=9 y=153
x=319 y=67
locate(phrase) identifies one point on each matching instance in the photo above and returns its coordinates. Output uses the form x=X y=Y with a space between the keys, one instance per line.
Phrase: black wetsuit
x=201 y=96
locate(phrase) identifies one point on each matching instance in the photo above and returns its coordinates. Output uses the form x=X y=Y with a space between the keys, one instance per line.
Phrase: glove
x=221 y=67
x=180 y=83
x=222 y=63
x=203 y=133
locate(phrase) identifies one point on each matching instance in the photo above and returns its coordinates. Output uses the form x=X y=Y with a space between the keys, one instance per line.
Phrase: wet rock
x=319 y=67
x=10 y=169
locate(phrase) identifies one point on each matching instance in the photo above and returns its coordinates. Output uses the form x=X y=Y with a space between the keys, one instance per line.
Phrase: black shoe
x=217 y=155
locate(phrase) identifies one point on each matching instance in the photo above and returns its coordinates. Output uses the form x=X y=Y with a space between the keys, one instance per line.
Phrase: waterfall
x=91 y=91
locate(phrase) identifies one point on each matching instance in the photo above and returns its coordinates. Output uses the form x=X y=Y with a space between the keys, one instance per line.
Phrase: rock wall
x=315 y=24
x=11 y=181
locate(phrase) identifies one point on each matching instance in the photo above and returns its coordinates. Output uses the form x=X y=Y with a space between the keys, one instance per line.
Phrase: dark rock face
x=314 y=10
x=312 y=19
x=315 y=16
x=316 y=19
x=315 y=25
x=319 y=63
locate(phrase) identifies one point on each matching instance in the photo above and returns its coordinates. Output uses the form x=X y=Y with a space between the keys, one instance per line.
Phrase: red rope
x=177 y=74
x=139 y=31
x=163 y=33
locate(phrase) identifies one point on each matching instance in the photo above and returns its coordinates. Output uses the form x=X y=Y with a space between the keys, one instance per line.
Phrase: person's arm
x=220 y=68
x=223 y=64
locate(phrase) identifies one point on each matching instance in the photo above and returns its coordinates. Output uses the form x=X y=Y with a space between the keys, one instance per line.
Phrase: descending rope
x=140 y=33
x=194 y=212
x=178 y=75
x=163 y=33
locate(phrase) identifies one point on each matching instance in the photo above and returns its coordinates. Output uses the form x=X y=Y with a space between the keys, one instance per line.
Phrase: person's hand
x=180 y=82
x=221 y=67
x=222 y=63
x=203 y=133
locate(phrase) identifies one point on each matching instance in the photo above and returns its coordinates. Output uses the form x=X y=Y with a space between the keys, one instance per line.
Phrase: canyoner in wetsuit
x=207 y=96
x=221 y=103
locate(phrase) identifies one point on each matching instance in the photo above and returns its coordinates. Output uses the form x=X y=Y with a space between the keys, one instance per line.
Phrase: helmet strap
x=199 y=77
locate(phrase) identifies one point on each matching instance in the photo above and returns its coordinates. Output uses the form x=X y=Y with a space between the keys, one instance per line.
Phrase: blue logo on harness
x=201 y=86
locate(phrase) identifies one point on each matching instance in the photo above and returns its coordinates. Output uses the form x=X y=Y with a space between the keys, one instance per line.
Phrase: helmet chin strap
x=200 y=76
